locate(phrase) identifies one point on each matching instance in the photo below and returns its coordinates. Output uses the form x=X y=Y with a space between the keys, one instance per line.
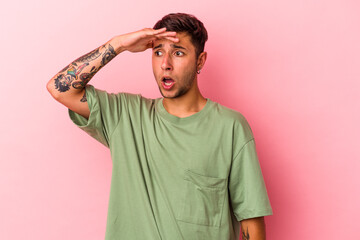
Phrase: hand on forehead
x=180 y=40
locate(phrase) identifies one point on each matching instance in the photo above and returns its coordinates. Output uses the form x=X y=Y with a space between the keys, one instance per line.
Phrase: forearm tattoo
x=245 y=236
x=90 y=56
x=108 y=55
x=70 y=75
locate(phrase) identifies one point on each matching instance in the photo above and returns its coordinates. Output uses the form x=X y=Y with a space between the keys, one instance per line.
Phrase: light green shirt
x=175 y=178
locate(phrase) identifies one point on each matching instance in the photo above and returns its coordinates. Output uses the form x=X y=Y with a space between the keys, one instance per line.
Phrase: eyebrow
x=171 y=45
x=177 y=46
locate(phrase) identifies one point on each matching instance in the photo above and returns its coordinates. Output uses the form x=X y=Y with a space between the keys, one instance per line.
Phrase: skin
x=68 y=85
x=173 y=55
x=253 y=228
x=179 y=61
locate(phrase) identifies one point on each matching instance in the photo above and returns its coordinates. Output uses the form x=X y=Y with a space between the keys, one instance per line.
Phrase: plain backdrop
x=290 y=67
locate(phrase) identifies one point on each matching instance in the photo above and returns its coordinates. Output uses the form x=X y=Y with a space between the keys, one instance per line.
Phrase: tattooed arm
x=253 y=229
x=68 y=85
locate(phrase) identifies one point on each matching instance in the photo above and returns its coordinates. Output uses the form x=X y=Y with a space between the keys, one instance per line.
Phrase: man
x=184 y=167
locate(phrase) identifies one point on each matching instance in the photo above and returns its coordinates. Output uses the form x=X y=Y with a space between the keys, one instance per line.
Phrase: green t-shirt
x=175 y=178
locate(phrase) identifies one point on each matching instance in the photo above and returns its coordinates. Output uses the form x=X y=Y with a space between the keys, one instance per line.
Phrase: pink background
x=290 y=67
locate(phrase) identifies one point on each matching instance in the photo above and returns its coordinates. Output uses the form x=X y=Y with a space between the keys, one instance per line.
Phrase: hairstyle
x=182 y=22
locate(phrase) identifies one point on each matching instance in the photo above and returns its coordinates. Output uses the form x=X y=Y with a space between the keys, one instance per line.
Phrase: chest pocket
x=203 y=199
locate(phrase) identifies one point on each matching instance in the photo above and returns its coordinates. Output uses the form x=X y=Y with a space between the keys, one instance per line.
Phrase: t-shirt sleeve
x=105 y=112
x=247 y=189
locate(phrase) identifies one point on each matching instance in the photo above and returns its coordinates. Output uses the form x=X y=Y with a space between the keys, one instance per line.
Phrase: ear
x=201 y=60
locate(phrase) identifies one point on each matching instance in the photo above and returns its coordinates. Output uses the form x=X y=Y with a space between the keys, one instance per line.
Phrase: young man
x=184 y=167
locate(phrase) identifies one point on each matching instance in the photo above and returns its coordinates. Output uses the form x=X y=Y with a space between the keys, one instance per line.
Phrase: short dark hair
x=183 y=22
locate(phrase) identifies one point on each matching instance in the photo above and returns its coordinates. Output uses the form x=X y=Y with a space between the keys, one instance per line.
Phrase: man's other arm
x=253 y=228
x=68 y=85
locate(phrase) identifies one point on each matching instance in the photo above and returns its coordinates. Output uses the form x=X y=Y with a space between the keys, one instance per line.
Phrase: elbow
x=50 y=86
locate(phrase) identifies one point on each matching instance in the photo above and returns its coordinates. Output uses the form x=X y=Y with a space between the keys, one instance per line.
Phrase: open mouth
x=167 y=82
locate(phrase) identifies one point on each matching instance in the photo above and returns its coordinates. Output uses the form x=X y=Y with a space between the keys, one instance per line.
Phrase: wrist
x=116 y=43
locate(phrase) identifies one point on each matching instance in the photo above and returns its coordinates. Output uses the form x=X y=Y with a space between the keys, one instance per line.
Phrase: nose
x=166 y=63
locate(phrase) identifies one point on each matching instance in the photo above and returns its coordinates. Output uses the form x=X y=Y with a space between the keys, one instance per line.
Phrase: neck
x=187 y=104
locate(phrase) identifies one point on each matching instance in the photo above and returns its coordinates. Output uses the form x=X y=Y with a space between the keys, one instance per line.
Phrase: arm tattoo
x=85 y=78
x=246 y=236
x=84 y=99
x=70 y=75
x=64 y=80
x=108 y=55
x=94 y=54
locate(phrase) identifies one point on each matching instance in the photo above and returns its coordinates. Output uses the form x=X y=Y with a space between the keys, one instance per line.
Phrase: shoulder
x=231 y=117
x=124 y=97
x=229 y=113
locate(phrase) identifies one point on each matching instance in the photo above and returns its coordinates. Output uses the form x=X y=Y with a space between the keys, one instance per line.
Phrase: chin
x=167 y=94
x=173 y=95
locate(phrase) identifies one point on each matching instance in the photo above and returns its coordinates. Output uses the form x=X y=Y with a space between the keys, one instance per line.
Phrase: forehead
x=184 y=41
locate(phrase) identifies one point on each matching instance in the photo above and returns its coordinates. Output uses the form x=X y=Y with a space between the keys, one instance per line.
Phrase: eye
x=179 y=53
x=158 y=53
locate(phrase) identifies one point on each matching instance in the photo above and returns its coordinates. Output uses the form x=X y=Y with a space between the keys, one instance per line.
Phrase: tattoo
x=70 y=75
x=85 y=78
x=63 y=81
x=246 y=236
x=108 y=55
x=89 y=56
x=84 y=99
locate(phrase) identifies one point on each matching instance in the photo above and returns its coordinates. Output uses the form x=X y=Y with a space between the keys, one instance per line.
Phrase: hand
x=143 y=39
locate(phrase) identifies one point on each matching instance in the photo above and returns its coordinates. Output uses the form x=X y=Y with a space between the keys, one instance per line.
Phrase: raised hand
x=68 y=85
x=143 y=39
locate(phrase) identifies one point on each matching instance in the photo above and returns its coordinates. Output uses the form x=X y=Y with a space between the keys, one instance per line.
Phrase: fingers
x=151 y=42
x=159 y=33
x=172 y=39
x=161 y=30
x=153 y=35
x=167 y=35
